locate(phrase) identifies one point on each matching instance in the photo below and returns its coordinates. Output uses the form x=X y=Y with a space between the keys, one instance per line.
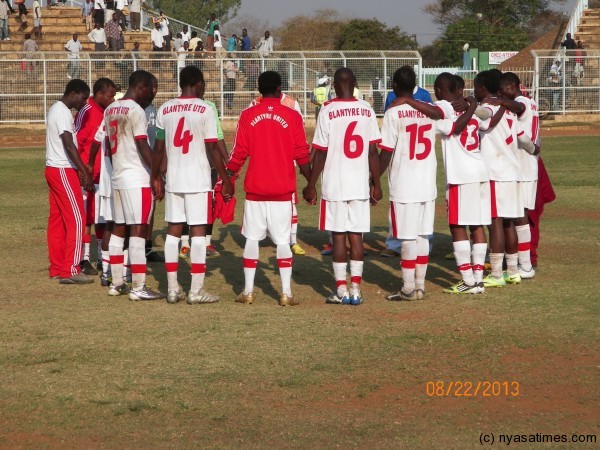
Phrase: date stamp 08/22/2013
x=472 y=388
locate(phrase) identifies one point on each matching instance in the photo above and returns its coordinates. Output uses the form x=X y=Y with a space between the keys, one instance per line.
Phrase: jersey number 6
x=349 y=138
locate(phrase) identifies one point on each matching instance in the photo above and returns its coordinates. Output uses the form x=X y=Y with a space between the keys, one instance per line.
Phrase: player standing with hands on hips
x=346 y=140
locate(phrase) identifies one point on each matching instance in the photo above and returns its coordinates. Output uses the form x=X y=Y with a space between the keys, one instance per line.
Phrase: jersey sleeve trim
x=521 y=134
x=375 y=141
x=141 y=137
x=386 y=149
x=303 y=160
x=441 y=111
x=319 y=147
x=211 y=140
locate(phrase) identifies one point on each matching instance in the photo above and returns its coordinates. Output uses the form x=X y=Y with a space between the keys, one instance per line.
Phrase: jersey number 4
x=354 y=145
x=182 y=138
x=417 y=137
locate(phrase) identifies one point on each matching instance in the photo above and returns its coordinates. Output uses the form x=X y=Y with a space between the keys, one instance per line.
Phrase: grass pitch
x=82 y=370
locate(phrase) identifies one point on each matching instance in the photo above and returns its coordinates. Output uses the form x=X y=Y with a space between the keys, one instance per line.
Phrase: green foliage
x=371 y=34
x=197 y=13
x=316 y=32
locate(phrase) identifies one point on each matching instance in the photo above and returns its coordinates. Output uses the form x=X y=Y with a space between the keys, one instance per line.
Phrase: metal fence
x=39 y=79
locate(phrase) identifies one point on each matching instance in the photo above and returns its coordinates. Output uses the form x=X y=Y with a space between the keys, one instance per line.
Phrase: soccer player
x=526 y=110
x=64 y=169
x=87 y=121
x=126 y=126
x=272 y=136
x=346 y=140
x=408 y=138
x=467 y=184
x=501 y=138
x=187 y=137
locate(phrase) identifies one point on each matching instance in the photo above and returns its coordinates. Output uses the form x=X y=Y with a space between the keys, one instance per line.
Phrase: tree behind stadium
x=195 y=12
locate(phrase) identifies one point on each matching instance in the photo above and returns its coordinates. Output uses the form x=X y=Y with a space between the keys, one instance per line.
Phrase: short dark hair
x=77 y=86
x=460 y=82
x=489 y=80
x=405 y=78
x=140 y=77
x=189 y=76
x=103 y=84
x=268 y=82
x=510 y=78
x=447 y=79
x=344 y=72
x=194 y=34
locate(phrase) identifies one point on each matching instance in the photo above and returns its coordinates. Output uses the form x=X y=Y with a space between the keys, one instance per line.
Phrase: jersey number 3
x=354 y=145
x=182 y=138
x=417 y=137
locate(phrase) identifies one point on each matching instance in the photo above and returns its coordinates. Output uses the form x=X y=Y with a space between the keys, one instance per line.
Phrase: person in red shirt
x=87 y=121
x=272 y=136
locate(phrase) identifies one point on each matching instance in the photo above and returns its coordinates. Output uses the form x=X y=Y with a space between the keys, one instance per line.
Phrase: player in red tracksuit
x=272 y=136
x=87 y=121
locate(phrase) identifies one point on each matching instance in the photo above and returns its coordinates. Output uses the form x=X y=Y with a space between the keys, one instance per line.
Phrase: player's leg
x=185 y=241
x=462 y=255
x=56 y=228
x=496 y=232
x=511 y=252
x=426 y=212
x=254 y=229
x=106 y=272
x=478 y=252
x=210 y=248
x=279 y=228
x=175 y=218
x=339 y=260
x=359 y=222
x=524 y=231
x=403 y=216
x=296 y=248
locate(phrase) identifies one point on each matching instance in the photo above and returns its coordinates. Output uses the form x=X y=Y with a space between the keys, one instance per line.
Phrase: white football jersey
x=345 y=129
x=530 y=123
x=125 y=123
x=499 y=146
x=104 y=185
x=188 y=123
x=462 y=155
x=410 y=134
x=60 y=120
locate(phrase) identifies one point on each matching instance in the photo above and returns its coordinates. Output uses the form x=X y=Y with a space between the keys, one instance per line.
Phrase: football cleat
x=174 y=295
x=297 y=250
x=526 y=274
x=288 y=300
x=512 y=279
x=481 y=287
x=80 y=278
x=356 y=298
x=462 y=288
x=247 y=299
x=87 y=268
x=202 y=296
x=211 y=251
x=145 y=294
x=401 y=295
x=105 y=280
x=420 y=294
x=327 y=250
x=121 y=289
x=491 y=282
x=335 y=299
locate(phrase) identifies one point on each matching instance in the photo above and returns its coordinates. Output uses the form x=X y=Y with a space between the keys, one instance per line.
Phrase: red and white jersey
x=188 y=122
x=499 y=146
x=104 y=185
x=410 y=134
x=345 y=129
x=125 y=123
x=462 y=155
x=286 y=100
x=530 y=123
x=59 y=121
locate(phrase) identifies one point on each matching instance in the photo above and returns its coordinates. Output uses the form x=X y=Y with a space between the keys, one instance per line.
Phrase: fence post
x=564 y=80
x=536 y=75
x=305 y=85
x=221 y=88
x=45 y=78
x=90 y=61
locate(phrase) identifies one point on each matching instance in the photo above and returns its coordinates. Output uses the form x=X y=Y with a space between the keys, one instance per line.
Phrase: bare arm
x=374 y=168
x=464 y=119
x=223 y=150
x=92 y=158
x=86 y=178
x=384 y=160
x=431 y=111
x=212 y=149
x=310 y=191
x=497 y=117
x=513 y=106
x=156 y=176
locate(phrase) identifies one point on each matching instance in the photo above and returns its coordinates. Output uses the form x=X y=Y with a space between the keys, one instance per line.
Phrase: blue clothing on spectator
x=246 y=44
x=231 y=44
x=419 y=94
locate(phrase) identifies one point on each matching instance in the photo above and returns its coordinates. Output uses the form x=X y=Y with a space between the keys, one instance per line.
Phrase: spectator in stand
x=86 y=14
x=29 y=48
x=37 y=19
x=166 y=33
x=121 y=5
x=219 y=50
x=158 y=42
x=98 y=37
x=99 y=7
x=232 y=42
x=23 y=16
x=265 y=45
x=185 y=34
x=113 y=33
x=73 y=47
x=321 y=94
x=210 y=31
x=182 y=54
x=194 y=41
x=569 y=43
x=178 y=42
x=245 y=40
x=4 y=13
x=231 y=71
x=135 y=18
x=580 y=54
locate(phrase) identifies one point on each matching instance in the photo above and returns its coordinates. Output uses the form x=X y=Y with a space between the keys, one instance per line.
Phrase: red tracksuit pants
x=65 y=222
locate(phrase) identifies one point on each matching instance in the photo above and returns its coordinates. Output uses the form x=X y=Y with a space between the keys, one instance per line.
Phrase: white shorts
x=104 y=209
x=194 y=208
x=353 y=216
x=506 y=200
x=410 y=220
x=133 y=206
x=529 y=191
x=469 y=204
x=273 y=219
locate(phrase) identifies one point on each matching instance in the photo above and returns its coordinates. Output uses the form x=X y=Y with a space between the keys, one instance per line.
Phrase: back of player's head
x=344 y=74
x=269 y=82
x=77 y=86
x=190 y=76
x=510 y=78
x=102 y=84
x=405 y=79
x=194 y=34
x=460 y=82
x=489 y=80
x=140 y=77
x=447 y=80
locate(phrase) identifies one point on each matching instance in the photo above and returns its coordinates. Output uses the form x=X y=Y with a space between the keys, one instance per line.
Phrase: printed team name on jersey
x=349 y=112
x=185 y=107
x=410 y=114
x=117 y=110
x=270 y=116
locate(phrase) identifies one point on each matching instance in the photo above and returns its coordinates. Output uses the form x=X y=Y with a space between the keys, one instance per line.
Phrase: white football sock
x=198 y=260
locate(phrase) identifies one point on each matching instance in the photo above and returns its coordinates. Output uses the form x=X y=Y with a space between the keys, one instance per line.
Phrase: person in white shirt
x=166 y=33
x=135 y=9
x=73 y=47
x=158 y=41
x=219 y=50
x=346 y=140
x=186 y=34
x=37 y=19
x=265 y=45
x=64 y=170
x=98 y=37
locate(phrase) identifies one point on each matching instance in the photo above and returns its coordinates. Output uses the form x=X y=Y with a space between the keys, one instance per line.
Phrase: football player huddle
x=490 y=144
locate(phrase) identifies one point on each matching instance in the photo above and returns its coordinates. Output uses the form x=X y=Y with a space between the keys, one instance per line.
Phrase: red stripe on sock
x=408 y=264
x=478 y=267
x=138 y=268
x=198 y=268
x=284 y=262
x=117 y=259
x=524 y=246
x=463 y=267
x=250 y=263
x=339 y=283
x=172 y=267
x=294 y=219
x=422 y=259
x=356 y=280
